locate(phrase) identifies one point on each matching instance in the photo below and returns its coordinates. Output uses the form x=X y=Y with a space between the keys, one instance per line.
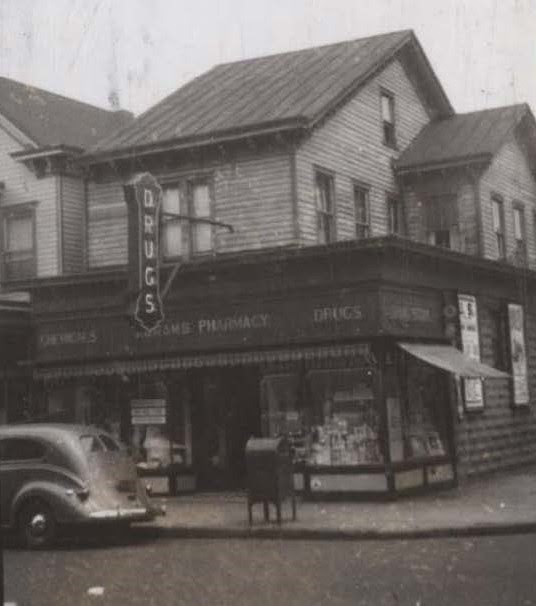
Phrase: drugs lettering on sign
x=144 y=199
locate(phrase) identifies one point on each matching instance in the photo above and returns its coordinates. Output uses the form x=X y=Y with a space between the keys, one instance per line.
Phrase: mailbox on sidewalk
x=269 y=475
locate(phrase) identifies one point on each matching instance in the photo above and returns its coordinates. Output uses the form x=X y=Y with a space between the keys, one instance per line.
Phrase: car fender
x=65 y=505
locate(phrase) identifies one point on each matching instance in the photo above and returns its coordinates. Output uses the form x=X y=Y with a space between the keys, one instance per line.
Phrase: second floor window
x=324 y=207
x=18 y=251
x=498 y=227
x=394 y=222
x=180 y=237
x=519 y=232
x=388 y=118
x=361 y=205
x=442 y=221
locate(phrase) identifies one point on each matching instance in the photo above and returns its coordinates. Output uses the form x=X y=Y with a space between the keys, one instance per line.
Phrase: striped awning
x=239 y=358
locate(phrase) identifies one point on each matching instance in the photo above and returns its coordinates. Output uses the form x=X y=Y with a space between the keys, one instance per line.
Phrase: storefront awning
x=452 y=360
x=240 y=358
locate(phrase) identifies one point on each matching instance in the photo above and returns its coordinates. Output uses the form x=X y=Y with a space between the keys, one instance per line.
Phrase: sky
x=132 y=53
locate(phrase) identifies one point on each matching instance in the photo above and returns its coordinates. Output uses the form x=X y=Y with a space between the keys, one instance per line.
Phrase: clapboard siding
x=21 y=186
x=72 y=192
x=252 y=192
x=500 y=436
x=106 y=224
x=509 y=176
x=350 y=144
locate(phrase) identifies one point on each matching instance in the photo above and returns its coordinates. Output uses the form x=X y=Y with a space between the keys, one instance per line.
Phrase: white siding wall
x=350 y=144
x=22 y=186
x=509 y=176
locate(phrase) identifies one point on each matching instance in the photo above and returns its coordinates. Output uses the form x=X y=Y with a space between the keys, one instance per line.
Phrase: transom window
x=324 y=207
x=18 y=243
x=498 y=226
x=180 y=237
x=387 y=101
x=361 y=206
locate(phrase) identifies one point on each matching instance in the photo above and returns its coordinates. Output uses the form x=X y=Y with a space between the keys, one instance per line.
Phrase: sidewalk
x=500 y=503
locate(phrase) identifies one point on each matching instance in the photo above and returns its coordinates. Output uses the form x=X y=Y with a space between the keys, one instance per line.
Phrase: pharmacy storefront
x=359 y=376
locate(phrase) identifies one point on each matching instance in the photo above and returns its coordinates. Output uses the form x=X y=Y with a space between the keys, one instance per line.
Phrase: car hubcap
x=38 y=524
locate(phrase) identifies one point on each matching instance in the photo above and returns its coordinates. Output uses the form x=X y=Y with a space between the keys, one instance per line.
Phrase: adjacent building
x=342 y=259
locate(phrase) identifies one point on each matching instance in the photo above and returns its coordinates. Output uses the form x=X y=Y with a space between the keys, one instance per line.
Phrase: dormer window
x=388 y=118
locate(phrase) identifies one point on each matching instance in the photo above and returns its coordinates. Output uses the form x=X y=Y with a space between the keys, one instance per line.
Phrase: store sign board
x=144 y=201
x=470 y=340
x=148 y=411
x=518 y=353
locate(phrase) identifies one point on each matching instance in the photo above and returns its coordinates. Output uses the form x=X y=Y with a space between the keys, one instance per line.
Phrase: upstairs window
x=181 y=237
x=394 y=220
x=442 y=221
x=519 y=233
x=361 y=206
x=387 y=101
x=324 y=207
x=498 y=227
x=18 y=238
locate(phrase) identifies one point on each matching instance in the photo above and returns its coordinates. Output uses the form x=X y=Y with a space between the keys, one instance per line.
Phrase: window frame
x=18 y=211
x=518 y=209
x=388 y=125
x=325 y=218
x=184 y=186
x=393 y=201
x=499 y=236
x=363 y=226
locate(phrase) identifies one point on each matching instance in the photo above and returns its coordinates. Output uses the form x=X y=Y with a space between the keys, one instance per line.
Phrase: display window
x=346 y=429
x=425 y=411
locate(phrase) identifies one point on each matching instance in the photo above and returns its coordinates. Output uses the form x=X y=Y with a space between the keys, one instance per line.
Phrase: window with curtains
x=497 y=216
x=519 y=232
x=19 y=260
x=191 y=198
x=442 y=221
x=361 y=206
x=324 y=189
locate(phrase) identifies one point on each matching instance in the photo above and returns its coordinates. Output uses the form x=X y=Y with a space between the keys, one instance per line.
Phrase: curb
x=304 y=534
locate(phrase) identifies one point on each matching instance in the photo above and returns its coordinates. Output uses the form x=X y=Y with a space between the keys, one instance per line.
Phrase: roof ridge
x=488 y=109
x=314 y=48
x=62 y=96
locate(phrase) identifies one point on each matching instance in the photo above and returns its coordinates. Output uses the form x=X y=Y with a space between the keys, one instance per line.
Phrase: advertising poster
x=518 y=353
x=472 y=388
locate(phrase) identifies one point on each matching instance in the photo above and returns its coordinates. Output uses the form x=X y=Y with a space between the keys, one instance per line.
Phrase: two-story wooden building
x=41 y=214
x=362 y=303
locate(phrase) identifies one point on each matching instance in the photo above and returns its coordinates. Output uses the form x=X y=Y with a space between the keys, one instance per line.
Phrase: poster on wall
x=472 y=388
x=518 y=353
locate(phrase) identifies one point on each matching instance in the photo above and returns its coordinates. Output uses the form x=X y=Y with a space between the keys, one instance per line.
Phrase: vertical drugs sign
x=144 y=200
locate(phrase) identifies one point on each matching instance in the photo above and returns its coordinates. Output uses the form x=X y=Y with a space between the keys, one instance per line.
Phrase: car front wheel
x=36 y=525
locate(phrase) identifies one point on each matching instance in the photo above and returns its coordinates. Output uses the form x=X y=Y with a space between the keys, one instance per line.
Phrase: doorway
x=225 y=414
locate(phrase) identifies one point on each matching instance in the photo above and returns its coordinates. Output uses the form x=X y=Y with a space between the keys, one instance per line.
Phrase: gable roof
x=463 y=137
x=277 y=92
x=49 y=119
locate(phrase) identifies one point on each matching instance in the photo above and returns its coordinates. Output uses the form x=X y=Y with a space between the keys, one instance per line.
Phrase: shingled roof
x=49 y=119
x=284 y=91
x=462 y=137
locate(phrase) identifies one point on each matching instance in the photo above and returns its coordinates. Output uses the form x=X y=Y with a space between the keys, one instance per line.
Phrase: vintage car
x=56 y=474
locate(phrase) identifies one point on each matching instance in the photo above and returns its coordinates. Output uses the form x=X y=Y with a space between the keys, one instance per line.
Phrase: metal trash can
x=269 y=475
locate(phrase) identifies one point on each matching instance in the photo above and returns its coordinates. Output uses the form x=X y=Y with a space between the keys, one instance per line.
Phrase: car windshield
x=91 y=443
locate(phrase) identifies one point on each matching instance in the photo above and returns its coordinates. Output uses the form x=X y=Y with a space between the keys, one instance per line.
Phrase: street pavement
x=502 y=502
x=149 y=571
